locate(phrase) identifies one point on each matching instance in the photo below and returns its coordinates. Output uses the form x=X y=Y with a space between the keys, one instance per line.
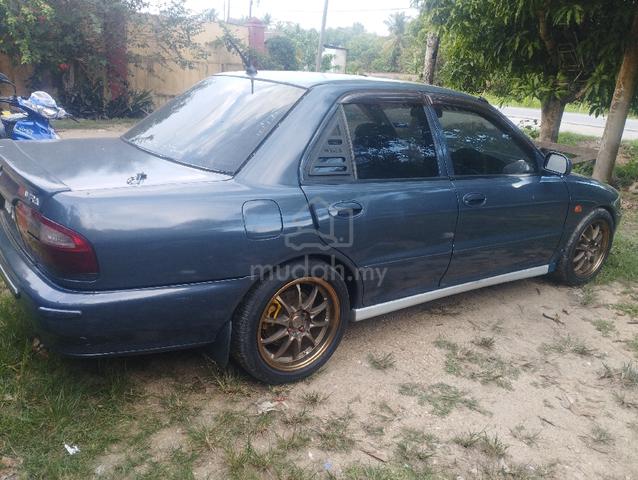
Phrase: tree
x=621 y=102
x=282 y=54
x=431 y=54
x=78 y=39
x=558 y=51
x=396 y=24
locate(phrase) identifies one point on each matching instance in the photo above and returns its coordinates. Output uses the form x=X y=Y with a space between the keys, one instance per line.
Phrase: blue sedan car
x=260 y=214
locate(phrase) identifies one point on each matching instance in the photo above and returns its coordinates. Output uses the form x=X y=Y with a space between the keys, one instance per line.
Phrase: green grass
x=630 y=309
x=85 y=124
x=490 y=445
x=443 y=398
x=483 y=367
x=381 y=361
x=605 y=327
x=625 y=376
x=530 y=439
x=45 y=403
x=568 y=344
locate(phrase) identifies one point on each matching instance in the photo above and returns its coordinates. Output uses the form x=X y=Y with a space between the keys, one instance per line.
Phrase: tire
x=567 y=271
x=280 y=333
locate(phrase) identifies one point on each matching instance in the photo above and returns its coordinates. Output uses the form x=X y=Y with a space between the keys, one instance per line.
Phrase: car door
x=511 y=214
x=380 y=194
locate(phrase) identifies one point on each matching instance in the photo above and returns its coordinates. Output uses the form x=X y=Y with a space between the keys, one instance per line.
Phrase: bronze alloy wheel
x=299 y=324
x=591 y=248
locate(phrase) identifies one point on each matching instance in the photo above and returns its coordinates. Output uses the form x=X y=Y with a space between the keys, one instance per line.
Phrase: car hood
x=89 y=164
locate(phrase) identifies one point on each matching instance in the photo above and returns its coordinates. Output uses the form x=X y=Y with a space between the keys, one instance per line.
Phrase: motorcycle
x=33 y=122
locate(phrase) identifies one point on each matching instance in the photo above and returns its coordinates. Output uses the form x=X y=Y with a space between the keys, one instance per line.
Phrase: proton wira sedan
x=258 y=215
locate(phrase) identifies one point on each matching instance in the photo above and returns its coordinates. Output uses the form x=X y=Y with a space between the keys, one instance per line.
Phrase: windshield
x=217 y=124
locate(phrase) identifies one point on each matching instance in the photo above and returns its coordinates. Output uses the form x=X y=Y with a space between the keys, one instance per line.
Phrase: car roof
x=312 y=79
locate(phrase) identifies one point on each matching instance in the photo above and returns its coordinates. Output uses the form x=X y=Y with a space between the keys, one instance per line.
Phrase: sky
x=341 y=13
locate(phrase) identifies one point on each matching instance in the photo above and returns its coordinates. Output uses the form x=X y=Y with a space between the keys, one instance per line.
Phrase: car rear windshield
x=217 y=124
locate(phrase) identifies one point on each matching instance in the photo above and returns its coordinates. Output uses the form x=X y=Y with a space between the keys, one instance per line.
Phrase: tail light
x=60 y=249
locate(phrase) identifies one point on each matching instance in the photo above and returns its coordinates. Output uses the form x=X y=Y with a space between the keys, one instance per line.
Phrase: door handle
x=345 y=209
x=474 y=199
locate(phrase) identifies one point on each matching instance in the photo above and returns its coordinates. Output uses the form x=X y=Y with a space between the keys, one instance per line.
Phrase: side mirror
x=558 y=163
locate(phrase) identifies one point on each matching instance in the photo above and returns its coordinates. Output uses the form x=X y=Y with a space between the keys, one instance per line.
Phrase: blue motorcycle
x=33 y=122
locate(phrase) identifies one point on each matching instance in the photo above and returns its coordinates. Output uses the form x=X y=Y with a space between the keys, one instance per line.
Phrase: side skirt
x=393 y=305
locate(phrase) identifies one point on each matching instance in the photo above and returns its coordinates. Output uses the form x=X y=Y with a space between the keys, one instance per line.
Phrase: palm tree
x=396 y=24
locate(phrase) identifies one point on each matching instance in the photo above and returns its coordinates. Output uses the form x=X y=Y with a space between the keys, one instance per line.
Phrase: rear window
x=217 y=124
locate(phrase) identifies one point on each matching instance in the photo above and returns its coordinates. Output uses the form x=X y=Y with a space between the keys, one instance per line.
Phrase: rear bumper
x=120 y=322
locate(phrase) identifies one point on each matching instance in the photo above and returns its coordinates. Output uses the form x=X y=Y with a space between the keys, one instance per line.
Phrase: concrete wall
x=164 y=82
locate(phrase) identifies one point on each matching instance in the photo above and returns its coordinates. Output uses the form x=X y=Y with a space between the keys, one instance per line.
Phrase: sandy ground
x=538 y=389
x=522 y=363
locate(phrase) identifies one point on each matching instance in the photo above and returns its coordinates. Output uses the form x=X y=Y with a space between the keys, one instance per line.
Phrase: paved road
x=573 y=122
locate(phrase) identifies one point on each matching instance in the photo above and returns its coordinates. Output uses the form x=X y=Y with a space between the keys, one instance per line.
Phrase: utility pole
x=321 y=36
x=250 y=9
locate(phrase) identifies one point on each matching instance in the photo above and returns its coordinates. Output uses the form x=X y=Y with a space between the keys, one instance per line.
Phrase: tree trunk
x=431 y=54
x=551 y=115
x=623 y=94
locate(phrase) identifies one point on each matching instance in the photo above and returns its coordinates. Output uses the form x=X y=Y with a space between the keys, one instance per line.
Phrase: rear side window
x=478 y=146
x=391 y=141
x=217 y=124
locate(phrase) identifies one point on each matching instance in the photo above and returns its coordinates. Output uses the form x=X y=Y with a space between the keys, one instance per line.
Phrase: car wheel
x=291 y=323
x=587 y=249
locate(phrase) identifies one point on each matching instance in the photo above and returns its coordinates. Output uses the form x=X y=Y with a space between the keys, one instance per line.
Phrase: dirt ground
x=514 y=381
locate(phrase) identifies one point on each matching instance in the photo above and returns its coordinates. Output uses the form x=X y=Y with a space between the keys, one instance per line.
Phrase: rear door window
x=391 y=140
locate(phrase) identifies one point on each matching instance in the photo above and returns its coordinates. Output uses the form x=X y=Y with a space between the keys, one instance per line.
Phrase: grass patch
x=625 y=376
x=443 y=398
x=632 y=345
x=415 y=445
x=630 y=309
x=519 y=432
x=491 y=446
x=622 y=263
x=482 y=367
x=605 y=327
x=484 y=342
x=335 y=435
x=313 y=398
x=568 y=344
x=599 y=436
x=381 y=361
x=45 y=403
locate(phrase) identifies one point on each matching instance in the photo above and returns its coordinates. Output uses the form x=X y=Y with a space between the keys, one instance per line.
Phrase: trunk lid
x=50 y=167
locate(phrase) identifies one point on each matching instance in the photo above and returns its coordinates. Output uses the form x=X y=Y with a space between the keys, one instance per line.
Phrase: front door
x=511 y=215
x=375 y=187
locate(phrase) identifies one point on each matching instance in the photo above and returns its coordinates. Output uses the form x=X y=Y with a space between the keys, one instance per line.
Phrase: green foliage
x=551 y=50
x=282 y=54
x=71 y=43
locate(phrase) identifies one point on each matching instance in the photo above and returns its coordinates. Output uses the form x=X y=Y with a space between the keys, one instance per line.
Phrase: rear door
x=380 y=194
x=511 y=214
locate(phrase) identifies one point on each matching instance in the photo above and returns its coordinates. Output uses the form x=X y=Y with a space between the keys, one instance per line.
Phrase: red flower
x=64 y=67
